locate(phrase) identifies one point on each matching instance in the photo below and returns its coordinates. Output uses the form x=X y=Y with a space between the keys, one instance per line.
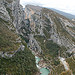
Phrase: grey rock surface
x=60 y=28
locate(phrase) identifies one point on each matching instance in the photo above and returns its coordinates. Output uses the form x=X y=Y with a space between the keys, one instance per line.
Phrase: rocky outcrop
x=33 y=44
x=12 y=13
x=52 y=36
x=53 y=26
x=3 y=12
x=11 y=53
x=11 y=10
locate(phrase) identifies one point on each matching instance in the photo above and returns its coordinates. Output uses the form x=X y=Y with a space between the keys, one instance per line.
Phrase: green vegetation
x=73 y=28
x=66 y=73
x=46 y=33
x=22 y=63
x=40 y=38
x=57 y=70
x=7 y=38
x=36 y=30
x=61 y=30
x=71 y=62
x=50 y=53
x=50 y=48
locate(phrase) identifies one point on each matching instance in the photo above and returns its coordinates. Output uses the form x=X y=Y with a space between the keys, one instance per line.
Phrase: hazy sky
x=64 y=5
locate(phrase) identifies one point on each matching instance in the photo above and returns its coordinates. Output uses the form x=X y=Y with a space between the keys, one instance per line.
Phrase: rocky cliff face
x=47 y=23
x=12 y=15
x=12 y=11
x=52 y=35
x=15 y=57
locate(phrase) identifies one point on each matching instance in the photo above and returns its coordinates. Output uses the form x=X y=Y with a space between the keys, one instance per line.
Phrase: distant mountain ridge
x=67 y=15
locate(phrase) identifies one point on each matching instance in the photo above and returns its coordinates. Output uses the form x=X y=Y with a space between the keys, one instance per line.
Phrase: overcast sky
x=63 y=5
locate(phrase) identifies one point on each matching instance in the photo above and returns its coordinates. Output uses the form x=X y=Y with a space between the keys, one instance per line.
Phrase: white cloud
x=64 y=5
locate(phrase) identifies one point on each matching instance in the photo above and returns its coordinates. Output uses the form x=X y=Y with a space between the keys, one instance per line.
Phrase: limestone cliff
x=13 y=16
x=47 y=23
x=15 y=57
x=52 y=36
